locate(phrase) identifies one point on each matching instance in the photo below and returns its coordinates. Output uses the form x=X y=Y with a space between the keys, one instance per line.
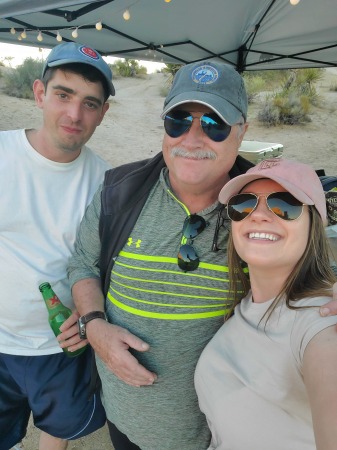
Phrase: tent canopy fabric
x=249 y=34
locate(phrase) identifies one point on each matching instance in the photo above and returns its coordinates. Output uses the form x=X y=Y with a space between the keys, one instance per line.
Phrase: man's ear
x=242 y=131
x=39 y=92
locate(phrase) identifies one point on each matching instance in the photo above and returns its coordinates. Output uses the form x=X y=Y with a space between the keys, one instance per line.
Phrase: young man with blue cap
x=49 y=176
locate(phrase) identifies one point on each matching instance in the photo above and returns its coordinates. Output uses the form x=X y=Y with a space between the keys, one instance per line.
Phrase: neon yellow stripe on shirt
x=176 y=272
x=169 y=260
x=175 y=305
x=165 y=316
x=168 y=283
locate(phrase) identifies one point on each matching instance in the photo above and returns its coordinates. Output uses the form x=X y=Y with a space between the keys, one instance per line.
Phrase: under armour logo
x=136 y=243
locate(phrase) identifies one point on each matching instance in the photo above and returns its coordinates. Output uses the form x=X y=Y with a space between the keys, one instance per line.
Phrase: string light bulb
x=13 y=31
x=23 y=34
x=19 y=38
x=99 y=26
x=167 y=1
x=75 y=33
x=126 y=14
x=294 y=2
x=58 y=37
x=40 y=37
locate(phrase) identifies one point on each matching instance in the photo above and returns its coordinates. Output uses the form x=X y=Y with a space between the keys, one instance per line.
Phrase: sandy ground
x=132 y=130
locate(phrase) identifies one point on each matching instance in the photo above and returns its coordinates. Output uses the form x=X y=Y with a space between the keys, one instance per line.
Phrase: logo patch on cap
x=87 y=51
x=268 y=163
x=205 y=75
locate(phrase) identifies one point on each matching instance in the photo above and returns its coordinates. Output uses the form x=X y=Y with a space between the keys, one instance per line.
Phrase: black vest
x=125 y=191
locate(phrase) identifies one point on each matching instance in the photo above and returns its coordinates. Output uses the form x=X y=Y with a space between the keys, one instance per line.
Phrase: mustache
x=197 y=154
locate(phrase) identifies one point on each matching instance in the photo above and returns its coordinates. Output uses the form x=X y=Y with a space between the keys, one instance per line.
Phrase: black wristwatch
x=83 y=320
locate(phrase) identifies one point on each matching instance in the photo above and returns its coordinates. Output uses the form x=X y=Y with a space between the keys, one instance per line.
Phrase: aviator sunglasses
x=188 y=259
x=178 y=122
x=282 y=204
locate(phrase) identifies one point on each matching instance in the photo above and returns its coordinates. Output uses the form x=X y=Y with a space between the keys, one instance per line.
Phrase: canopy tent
x=249 y=34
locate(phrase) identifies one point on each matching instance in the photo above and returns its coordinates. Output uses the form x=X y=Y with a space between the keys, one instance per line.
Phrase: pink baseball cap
x=297 y=178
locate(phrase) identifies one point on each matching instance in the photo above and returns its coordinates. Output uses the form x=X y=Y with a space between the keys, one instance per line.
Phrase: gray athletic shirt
x=177 y=313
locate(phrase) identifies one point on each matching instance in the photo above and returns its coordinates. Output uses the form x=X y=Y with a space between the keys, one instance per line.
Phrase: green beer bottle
x=57 y=314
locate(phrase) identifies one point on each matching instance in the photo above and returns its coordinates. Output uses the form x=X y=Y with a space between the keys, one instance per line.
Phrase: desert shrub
x=285 y=108
x=169 y=70
x=127 y=68
x=291 y=104
x=269 y=114
x=263 y=80
x=164 y=90
x=333 y=87
x=254 y=85
x=272 y=78
x=302 y=82
x=19 y=82
x=293 y=109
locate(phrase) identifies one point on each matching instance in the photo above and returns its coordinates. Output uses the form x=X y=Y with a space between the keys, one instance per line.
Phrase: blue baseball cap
x=214 y=84
x=71 y=52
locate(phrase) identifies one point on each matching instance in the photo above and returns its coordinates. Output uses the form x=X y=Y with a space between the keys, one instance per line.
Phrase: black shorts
x=55 y=388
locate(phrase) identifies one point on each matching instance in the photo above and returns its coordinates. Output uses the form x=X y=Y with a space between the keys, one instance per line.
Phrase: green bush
x=170 y=70
x=19 y=82
x=164 y=90
x=292 y=103
x=269 y=115
x=254 y=85
x=302 y=82
x=263 y=80
x=127 y=68
x=285 y=108
x=272 y=78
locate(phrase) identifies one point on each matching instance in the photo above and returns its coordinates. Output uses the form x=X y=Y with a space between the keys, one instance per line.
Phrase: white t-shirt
x=249 y=378
x=42 y=203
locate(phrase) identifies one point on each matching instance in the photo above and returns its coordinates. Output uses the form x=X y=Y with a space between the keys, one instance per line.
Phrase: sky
x=20 y=52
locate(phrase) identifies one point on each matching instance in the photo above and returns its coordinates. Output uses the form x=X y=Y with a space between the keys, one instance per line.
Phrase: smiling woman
x=272 y=354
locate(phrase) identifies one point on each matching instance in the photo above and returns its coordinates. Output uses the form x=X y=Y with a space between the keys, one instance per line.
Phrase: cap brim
x=61 y=62
x=228 y=113
x=235 y=185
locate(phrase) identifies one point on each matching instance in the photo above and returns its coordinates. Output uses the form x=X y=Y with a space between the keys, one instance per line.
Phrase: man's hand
x=330 y=309
x=69 y=338
x=112 y=344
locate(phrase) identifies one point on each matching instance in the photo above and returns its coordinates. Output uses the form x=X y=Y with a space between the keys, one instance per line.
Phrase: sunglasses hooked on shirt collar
x=188 y=259
x=282 y=204
x=178 y=122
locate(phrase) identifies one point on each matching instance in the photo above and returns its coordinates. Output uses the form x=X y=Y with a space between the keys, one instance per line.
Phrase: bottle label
x=53 y=302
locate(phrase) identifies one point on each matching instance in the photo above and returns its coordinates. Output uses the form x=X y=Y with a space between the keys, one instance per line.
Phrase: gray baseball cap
x=214 y=84
x=71 y=52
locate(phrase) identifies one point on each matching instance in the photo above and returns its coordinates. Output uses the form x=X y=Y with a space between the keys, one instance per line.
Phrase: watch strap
x=93 y=315
x=83 y=320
